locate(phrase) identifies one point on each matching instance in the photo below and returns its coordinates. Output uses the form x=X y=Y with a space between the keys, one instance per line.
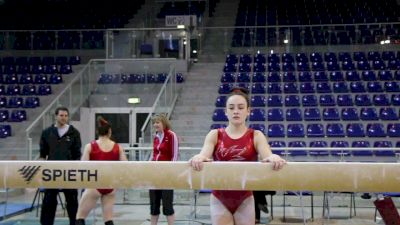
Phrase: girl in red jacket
x=165 y=148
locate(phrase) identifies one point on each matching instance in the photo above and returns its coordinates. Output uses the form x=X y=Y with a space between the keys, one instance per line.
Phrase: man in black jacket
x=60 y=141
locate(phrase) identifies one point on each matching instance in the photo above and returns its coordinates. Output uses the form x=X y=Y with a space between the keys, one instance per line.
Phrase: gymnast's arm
x=264 y=150
x=86 y=153
x=206 y=151
x=122 y=156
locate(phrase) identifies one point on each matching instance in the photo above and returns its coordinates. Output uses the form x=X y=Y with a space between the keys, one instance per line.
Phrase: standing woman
x=106 y=150
x=165 y=149
x=236 y=142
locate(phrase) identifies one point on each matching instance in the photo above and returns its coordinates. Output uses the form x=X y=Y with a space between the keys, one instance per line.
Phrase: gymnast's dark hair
x=103 y=126
x=242 y=92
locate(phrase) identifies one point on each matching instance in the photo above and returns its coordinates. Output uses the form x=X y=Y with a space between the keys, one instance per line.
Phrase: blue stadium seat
x=316 y=57
x=287 y=57
x=348 y=65
x=44 y=90
x=258 y=88
x=330 y=114
x=368 y=114
x=295 y=130
x=28 y=89
x=335 y=130
x=221 y=101
x=290 y=88
x=274 y=88
x=397 y=75
x=104 y=79
x=275 y=67
x=355 y=130
x=361 y=144
x=41 y=79
x=387 y=55
x=9 y=69
x=312 y=114
x=352 y=76
x=381 y=100
x=4 y=115
x=320 y=76
x=275 y=101
x=309 y=100
x=363 y=100
x=257 y=101
x=393 y=130
x=357 y=87
x=219 y=115
x=65 y=69
x=286 y=67
x=344 y=56
x=368 y=75
x=374 y=86
x=344 y=100
x=330 y=56
x=376 y=130
x=295 y=152
x=292 y=100
x=395 y=99
x=5 y=130
x=277 y=144
x=384 y=144
x=305 y=76
x=3 y=102
x=11 y=79
x=31 y=102
x=74 y=60
x=275 y=114
x=242 y=77
x=307 y=87
x=327 y=100
x=392 y=86
x=26 y=79
x=319 y=152
x=13 y=89
x=293 y=114
x=49 y=69
x=257 y=114
x=350 y=114
x=55 y=79
x=385 y=75
x=228 y=77
x=378 y=65
x=17 y=116
x=317 y=66
x=2 y=90
x=332 y=66
x=36 y=69
x=276 y=130
x=257 y=126
x=315 y=130
x=259 y=77
x=340 y=144
x=225 y=88
x=363 y=65
x=394 y=64
x=290 y=77
x=340 y=87
x=388 y=114
x=323 y=87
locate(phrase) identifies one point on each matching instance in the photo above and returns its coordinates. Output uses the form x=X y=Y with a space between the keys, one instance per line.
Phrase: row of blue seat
x=314 y=114
x=18 y=102
x=37 y=60
x=16 y=115
x=313 y=57
x=27 y=89
x=312 y=100
x=318 y=87
x=36 y=69
x=53 y=78
x=136 y=78
x=306 y=76
x=315 y=66
x=319 y=130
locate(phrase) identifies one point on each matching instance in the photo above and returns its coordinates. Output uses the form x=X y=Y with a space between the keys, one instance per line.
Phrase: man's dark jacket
x=67 y=147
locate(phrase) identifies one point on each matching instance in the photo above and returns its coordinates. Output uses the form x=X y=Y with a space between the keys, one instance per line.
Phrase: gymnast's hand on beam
x=276 y=160
x=196 y=162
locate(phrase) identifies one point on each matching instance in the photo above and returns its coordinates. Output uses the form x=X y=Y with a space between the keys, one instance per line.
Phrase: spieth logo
x=28 y=172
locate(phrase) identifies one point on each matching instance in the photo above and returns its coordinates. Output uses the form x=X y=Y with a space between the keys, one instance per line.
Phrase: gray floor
x=132 y=208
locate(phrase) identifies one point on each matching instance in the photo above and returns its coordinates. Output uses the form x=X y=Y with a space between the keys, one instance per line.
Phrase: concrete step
x=196 y=110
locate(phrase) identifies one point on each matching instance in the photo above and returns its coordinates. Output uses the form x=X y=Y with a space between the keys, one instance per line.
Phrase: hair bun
x=240 y=90
x=102 y=122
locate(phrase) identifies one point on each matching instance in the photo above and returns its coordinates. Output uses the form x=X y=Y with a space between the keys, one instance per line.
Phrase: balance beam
x=295 y=176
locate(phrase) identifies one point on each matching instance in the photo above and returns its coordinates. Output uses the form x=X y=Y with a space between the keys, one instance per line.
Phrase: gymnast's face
x=158 y=126
x=237 y=109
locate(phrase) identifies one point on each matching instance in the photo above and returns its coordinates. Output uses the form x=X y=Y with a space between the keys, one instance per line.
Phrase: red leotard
x=228 y=149
x=97 y=154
